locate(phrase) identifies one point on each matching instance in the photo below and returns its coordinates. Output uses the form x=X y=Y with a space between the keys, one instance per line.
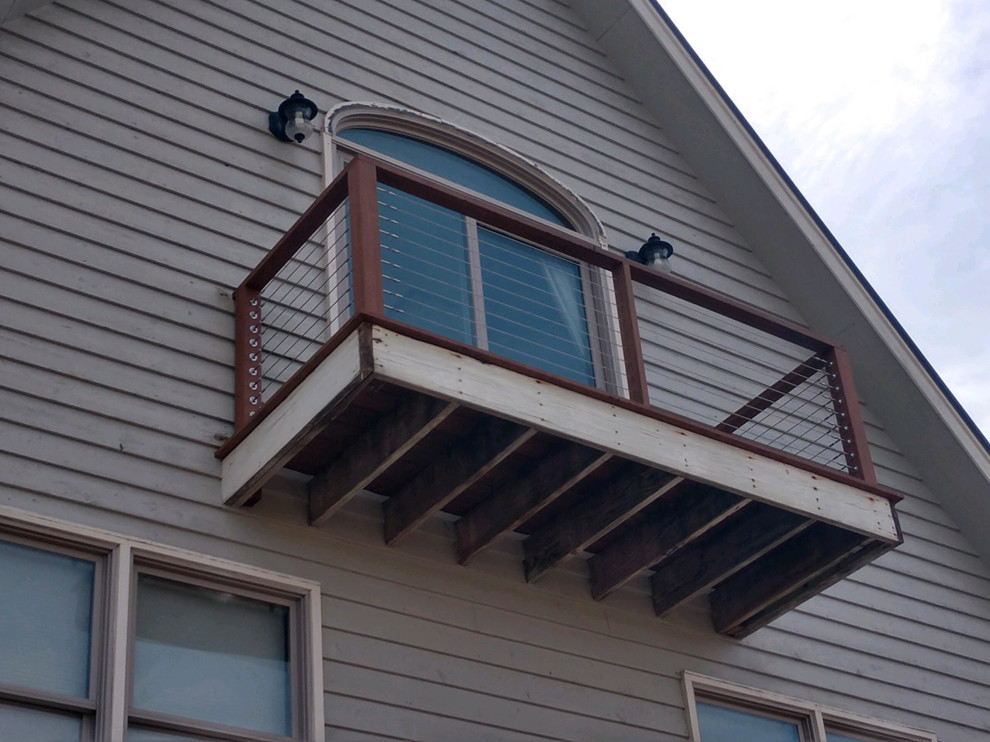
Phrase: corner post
x=632 y=347
x=247 y=354
x=848 y=417
x=366 y=251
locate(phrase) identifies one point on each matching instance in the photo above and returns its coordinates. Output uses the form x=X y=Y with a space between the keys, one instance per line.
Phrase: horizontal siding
x=594 y=167
x=137 y=188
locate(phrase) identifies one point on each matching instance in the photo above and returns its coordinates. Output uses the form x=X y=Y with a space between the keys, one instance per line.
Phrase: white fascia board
x=264 y=451
x=608 y=427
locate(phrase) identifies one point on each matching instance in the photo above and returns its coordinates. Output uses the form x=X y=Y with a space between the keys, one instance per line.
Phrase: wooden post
x=247 y=354
x=632 y=347
x=366 y=251
x=849 y=420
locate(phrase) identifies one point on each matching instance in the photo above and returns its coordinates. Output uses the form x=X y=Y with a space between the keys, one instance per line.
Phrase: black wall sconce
x=291 y=121
x=652 y=250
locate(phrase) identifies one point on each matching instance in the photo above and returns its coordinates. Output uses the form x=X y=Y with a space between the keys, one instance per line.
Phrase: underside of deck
x=432 y=430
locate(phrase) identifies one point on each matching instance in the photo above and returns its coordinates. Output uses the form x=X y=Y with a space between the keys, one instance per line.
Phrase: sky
x=880 y=113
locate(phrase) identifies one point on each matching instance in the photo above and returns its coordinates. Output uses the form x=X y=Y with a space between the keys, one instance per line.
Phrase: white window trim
x=124 y=556
x=600 y=295
x=817 y=716
x=463 y=141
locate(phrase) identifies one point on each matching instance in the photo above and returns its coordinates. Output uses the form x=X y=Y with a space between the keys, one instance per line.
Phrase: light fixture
x=291 y=121
x=652 y=250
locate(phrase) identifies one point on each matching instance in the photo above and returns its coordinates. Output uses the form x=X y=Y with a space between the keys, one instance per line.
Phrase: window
x=48 y=610
x=725 y=712
x=445 y=273
x=99 y=634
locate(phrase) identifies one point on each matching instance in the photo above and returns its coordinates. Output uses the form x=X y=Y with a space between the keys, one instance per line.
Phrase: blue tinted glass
x=532 y=302
x=455 y=168
x=210 y=655
x=24 y=724
x=534 y=307
x=720 y=724
x=425 y=271
x=46 y=609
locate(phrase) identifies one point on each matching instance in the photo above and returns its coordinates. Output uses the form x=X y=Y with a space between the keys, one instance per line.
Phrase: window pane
x=836 y=737
x=46 y=610
x=24 y=724
x=425 y=269
x=534 y=307
x=720 y=724
x=455 y=168
x=211 y=655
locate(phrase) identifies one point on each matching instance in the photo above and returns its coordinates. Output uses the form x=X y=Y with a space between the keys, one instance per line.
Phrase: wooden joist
x=783 y=577
x=574 y=471
x=451 y=473
x=685 y=512
x=724 y=550
x=384 y=443
x=611 y=503
x=535 y=488
x=860 y=556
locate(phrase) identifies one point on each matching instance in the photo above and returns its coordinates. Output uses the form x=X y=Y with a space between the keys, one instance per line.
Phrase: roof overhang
x=806 y=261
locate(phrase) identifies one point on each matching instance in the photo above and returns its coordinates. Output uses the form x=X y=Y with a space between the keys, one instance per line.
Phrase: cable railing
x=725 y=373
x=388 y=246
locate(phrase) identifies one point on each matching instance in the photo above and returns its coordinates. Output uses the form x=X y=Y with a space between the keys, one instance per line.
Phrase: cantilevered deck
x=756 y=488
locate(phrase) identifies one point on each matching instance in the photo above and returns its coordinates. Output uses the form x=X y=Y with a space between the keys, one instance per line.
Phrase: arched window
x=445 y=273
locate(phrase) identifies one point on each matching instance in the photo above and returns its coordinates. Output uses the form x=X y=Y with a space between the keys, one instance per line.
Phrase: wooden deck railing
x=351 y=203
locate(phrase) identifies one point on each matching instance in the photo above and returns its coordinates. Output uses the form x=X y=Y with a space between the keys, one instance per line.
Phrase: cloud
x=881 y=116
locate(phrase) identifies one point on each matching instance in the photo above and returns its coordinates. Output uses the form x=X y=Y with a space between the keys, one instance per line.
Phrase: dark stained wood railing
x=358 y=184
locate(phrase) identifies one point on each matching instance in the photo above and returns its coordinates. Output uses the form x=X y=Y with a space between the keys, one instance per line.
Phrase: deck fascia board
x=283 y=432
x=593 y=422
x=414 y=364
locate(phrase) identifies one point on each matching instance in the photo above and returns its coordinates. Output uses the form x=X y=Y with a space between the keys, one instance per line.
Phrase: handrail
x=358 y=184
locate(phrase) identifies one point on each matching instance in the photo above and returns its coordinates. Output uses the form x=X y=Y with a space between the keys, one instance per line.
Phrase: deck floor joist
x=430 y=430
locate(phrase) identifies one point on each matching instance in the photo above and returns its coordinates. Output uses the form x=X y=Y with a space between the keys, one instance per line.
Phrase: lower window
x=719 y=711
x=212 y=651
x=49 y=611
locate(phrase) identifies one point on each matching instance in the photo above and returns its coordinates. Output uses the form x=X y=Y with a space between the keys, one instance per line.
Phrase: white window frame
x=814 y=719
x=119 y=559
x=600 y=302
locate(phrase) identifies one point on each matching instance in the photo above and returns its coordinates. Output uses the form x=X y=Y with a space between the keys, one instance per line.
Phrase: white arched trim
x=444 y=134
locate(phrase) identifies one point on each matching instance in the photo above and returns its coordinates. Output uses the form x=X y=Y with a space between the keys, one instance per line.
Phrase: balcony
x=527 y=381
